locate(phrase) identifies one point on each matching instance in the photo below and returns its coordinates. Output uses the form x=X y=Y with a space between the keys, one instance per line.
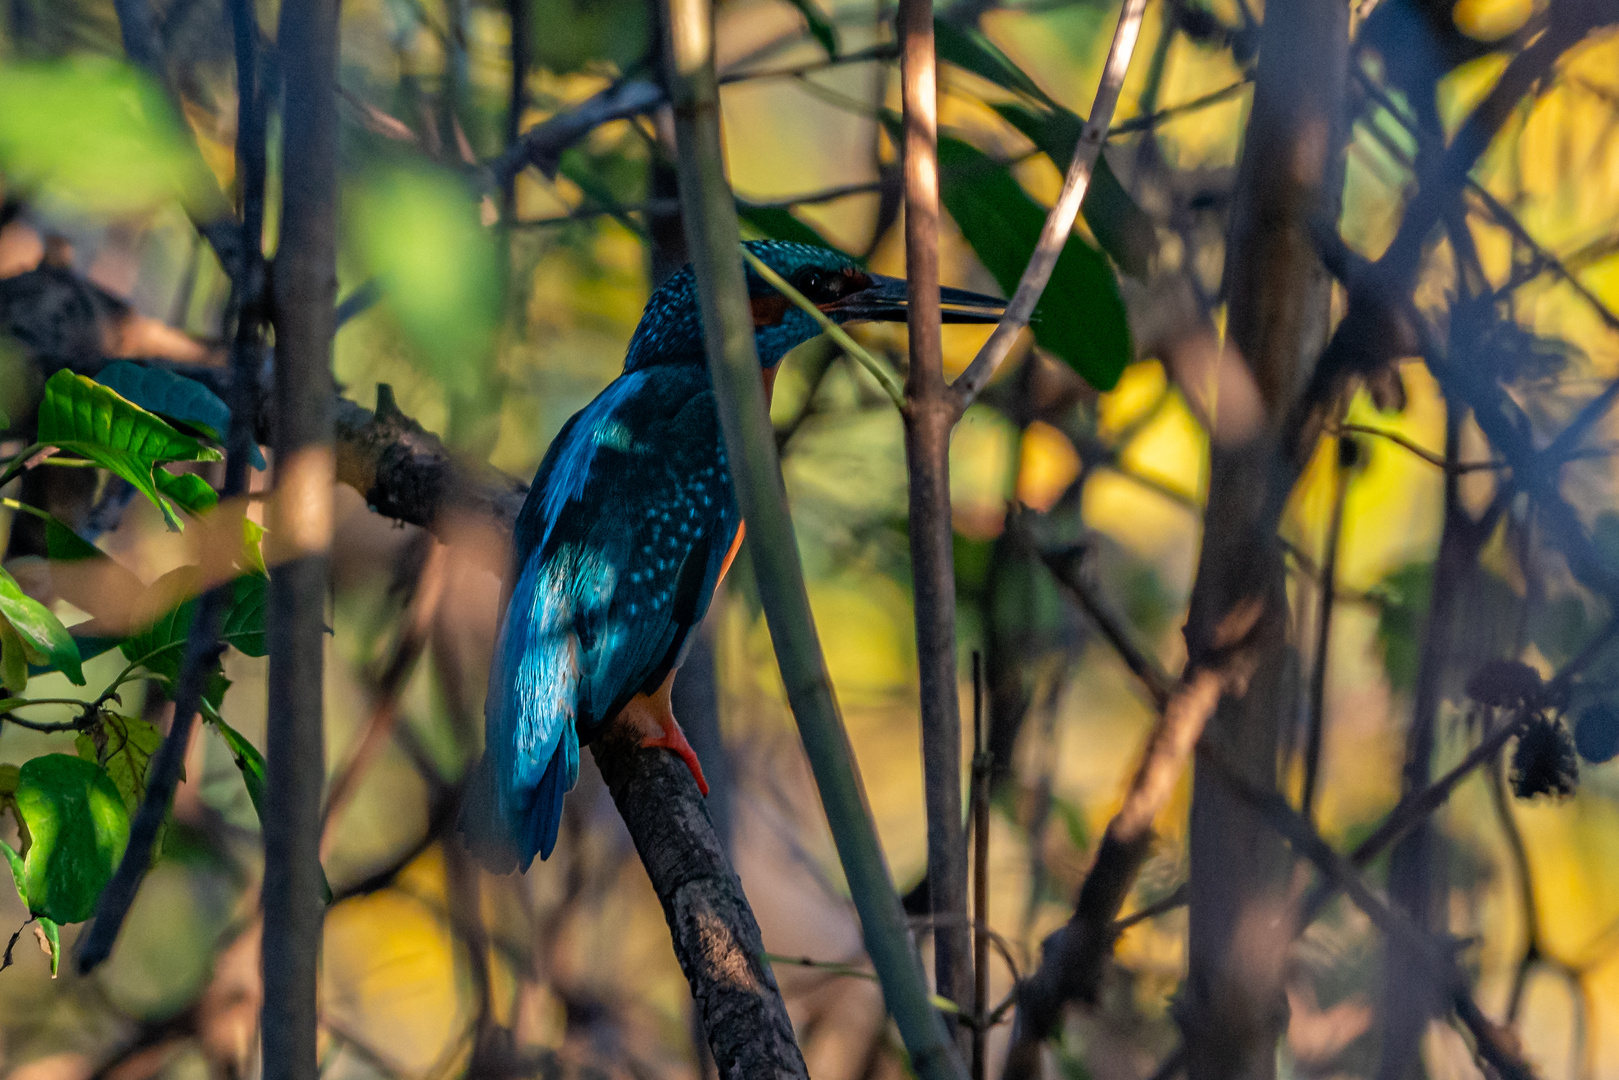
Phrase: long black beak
x=885 y=300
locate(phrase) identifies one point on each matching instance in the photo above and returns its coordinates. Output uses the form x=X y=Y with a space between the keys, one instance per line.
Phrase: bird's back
x=618 y=549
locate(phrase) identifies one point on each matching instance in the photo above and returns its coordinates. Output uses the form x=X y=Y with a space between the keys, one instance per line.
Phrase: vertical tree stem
x=1234 y=1009
x=930 y=414
x=1316 y=718
x=711 y=232
x=982 y=767
x=1414 y=864
x=300 y=527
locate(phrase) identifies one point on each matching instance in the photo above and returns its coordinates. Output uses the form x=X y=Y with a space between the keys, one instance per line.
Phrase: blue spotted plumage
x=619 y=546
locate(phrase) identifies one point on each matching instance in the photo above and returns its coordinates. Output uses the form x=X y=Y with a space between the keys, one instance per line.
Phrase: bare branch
x=1060 y=221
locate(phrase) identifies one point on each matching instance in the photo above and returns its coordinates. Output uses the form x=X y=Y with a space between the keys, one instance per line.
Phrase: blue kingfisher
x=629 y=526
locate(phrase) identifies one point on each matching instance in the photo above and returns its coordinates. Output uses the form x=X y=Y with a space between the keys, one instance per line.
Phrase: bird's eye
x=814 y=283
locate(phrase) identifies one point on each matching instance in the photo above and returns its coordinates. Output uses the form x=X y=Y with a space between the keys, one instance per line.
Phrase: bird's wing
x=643 y=517
x=620 y=544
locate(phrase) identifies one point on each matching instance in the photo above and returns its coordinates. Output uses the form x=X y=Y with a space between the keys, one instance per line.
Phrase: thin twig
x=1060 y=221
x=879 y=370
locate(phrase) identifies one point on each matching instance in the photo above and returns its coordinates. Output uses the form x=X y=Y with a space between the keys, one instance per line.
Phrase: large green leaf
x=80 y=416
x=97 y=136
x=40 y=632
x=174 y=397
x=78 y=827
x=1080 y=318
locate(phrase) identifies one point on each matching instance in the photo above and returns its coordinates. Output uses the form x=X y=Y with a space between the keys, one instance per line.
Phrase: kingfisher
x=628 y=528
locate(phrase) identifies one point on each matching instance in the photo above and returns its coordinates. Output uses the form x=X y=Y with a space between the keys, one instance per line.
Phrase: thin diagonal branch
x=1060 y=221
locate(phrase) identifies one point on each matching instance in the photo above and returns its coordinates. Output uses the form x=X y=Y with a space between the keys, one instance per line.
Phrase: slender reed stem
x=711 y=232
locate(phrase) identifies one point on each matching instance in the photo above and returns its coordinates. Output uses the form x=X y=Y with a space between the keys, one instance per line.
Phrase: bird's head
x=671 y=332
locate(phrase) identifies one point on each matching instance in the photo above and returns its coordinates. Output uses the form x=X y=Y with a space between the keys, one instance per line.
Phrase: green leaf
x=98 y=136
x=83 y=417
x=62 y=544
x=252 y=558
x=1080 y=318
x=968 y=48
x=778 y=223
x=248 y=759
x=39 y=630
x=174 y=397
x=160 y=646
x=19 y=873
x=53 y=938
x=1402 y=609
x=188 y=491
x=1124 y=230
x=252 y=765
x=123 y=745
x=419 y=234
x=13 y=660
x=79 y=827
x=820 y=27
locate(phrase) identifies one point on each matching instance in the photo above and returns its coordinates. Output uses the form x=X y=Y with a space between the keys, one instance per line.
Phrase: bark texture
x=715 y=935
x=300 y=519
x=1278 y=296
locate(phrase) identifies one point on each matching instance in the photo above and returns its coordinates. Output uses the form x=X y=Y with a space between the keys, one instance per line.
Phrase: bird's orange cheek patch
x=768 y=310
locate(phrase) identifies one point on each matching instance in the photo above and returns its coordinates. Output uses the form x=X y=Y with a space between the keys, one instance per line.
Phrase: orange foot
x=655 y=723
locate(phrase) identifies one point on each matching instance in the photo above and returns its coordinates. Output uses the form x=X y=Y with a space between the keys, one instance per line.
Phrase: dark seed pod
x=1596 y=732
x=1504 y=684
x=1544 y=762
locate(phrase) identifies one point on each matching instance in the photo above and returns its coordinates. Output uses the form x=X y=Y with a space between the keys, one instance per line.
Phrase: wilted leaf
x=1080 y=318
x=97 y=135
x=52 y=935
x=40 y=632
x=1505 y=684
x=420 y=236
x=80 y=416
x=173 y=397
x=252 y=560
x=1544 y=761
x=78 y=828
x=123 y=746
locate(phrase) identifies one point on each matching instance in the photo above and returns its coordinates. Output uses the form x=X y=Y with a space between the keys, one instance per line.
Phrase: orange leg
x=654 y=721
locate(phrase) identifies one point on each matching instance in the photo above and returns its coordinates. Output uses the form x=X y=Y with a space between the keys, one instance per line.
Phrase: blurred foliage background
x=494 y=322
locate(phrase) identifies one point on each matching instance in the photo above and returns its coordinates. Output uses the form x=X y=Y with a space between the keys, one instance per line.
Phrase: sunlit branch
x=1060 y=221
